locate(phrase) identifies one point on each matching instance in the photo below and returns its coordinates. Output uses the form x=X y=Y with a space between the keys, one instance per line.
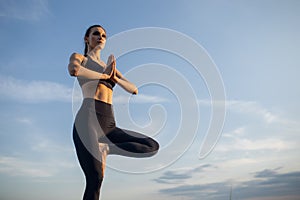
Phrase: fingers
x=112 y=70
x=110 y=66
x=111 y=60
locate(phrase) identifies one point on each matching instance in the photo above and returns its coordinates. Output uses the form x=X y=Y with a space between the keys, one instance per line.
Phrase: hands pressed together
x=113 y=74
x=111 y=70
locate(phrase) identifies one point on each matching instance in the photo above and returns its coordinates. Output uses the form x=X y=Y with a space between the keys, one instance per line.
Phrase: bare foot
x=104 y=149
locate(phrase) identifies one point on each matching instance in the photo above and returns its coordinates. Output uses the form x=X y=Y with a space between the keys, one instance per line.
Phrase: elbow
x=74 y=64
x=135 y=92
x=73 y=70
x=73 y=73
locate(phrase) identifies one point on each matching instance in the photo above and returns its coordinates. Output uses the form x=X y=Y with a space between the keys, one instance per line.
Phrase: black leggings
x=95 y=124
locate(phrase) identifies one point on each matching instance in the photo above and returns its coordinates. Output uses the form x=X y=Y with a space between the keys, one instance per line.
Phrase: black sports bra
x=108 y=83
x=92 y=65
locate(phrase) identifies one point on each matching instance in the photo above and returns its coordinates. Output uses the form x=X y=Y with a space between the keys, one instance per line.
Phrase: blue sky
x=255 y=47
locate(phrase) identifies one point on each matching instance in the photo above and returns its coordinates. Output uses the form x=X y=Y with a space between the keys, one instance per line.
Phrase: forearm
x=125 y=84
x=85 y=73
x=76 y=68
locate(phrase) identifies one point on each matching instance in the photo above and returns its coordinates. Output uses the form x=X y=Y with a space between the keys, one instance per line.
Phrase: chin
x=101 y=45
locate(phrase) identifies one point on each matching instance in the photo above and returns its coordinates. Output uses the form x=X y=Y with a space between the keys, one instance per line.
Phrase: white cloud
x=236 y=132
x=47 y=158
x=45 y=145
x=29 y=10
x=252 y=107
x=24 y=120
x=141 y=98
x=237 y=140
x=262 y=144
x=33 y=91
x=17 y=167
x=248 y=108
x=260 y=131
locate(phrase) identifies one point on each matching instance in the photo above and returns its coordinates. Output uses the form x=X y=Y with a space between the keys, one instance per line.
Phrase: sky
x=218 y=89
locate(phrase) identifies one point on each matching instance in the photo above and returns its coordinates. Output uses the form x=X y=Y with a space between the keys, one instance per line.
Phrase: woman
x=95 y=133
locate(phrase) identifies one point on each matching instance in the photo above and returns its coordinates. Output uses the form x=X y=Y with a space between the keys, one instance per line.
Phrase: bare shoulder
x=77 y=56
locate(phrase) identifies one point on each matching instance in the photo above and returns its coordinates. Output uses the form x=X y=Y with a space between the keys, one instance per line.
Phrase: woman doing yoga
x=95 y=134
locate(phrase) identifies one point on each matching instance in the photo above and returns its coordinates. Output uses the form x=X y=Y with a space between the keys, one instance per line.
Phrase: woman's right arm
x=76 y=69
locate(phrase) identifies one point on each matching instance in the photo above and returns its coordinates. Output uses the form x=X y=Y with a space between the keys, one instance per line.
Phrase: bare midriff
x=97 y=91
x=104 y=94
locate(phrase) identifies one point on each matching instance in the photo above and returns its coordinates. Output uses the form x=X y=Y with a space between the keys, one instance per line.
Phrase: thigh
x=121 y=136
x=89 y=164
x=130 y=143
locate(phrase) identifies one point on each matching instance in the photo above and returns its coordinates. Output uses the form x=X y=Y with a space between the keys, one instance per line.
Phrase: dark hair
x=87 y=33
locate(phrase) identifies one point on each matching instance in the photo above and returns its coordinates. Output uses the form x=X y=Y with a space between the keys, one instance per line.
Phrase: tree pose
x=95 y=134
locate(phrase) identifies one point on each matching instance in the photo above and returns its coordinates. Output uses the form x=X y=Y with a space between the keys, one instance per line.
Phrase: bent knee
x=154 y=147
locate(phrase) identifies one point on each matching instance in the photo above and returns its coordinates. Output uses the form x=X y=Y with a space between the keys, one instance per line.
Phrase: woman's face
x=97 y=37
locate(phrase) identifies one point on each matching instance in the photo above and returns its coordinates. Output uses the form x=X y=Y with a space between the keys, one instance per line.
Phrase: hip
x=93 y=113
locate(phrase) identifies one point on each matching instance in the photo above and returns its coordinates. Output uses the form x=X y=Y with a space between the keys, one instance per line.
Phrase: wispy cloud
x=254 y=108
x=29 y=10
x=24 y=120
x=180 y=175
x=141 y=98
x=264 y=184
x=238 y=140
x=244 y=107
x=257 y=134
x=47 y=158
x=262 y=144
x=45 y=145
x=14 y=166
x=33 y=91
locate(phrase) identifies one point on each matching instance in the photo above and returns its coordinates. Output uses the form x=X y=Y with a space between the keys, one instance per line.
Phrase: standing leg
x=91 y=167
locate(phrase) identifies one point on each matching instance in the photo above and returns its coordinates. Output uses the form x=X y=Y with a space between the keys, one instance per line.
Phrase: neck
x=94 y=54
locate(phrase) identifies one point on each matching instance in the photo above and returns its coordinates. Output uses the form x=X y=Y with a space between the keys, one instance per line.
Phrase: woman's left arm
x=124 y=83
x=118 y=78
